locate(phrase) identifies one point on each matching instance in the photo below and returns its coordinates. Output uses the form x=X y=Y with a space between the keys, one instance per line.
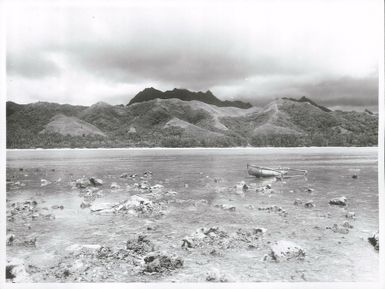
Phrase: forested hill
x=186 y=95
x=173 y=122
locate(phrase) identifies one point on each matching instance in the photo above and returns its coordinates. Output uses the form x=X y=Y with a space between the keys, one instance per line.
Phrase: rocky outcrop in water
x=346 y=224
x=286 y=250
x=10 y=238
x=350 y=215
x=375 y=241
x=158 y=262
x=215 y=238
x=84 y=182
x=95 y=263
x=136 y=205
x=214 y=275
x=15 y=271
x=339 y=229
x=298 y=202
x=274 y=209
x=140 y=245
x=341 y=201
x=96 y=182
x=28 y=210
x=226 y=207
x=114 y=186
x=309 y=204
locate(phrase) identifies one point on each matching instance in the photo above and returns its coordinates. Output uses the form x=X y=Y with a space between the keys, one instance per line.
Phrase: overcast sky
x=250 y=50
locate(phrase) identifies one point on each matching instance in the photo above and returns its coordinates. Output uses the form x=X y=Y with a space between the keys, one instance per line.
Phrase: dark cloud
x=344 y=91
x=31 y=64
x=183 y=64
x=252 y=51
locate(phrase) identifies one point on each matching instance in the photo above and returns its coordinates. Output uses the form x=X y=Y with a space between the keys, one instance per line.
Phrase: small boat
x=263 y=172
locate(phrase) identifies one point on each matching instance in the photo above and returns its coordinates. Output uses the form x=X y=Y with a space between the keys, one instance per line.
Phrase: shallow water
x=191 y=173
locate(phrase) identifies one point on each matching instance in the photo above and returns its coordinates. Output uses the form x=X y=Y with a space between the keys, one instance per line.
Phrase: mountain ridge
x=186 y=95
x=305 y=99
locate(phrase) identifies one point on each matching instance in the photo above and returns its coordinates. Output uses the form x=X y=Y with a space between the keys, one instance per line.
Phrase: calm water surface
x=191 y=173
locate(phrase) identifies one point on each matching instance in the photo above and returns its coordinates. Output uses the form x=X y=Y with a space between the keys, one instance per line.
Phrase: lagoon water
x=210 y=175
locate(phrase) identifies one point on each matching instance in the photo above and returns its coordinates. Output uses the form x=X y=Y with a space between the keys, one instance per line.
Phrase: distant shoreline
x=198 y=148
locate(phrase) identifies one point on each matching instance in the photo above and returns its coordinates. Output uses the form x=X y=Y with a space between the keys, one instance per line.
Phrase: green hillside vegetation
x=177 y=123
x=72 y=126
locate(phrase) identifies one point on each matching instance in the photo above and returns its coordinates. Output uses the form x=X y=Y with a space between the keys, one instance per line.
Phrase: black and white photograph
x=192 y=142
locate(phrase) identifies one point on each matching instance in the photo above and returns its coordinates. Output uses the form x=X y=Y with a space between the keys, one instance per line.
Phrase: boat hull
x=264 y=173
